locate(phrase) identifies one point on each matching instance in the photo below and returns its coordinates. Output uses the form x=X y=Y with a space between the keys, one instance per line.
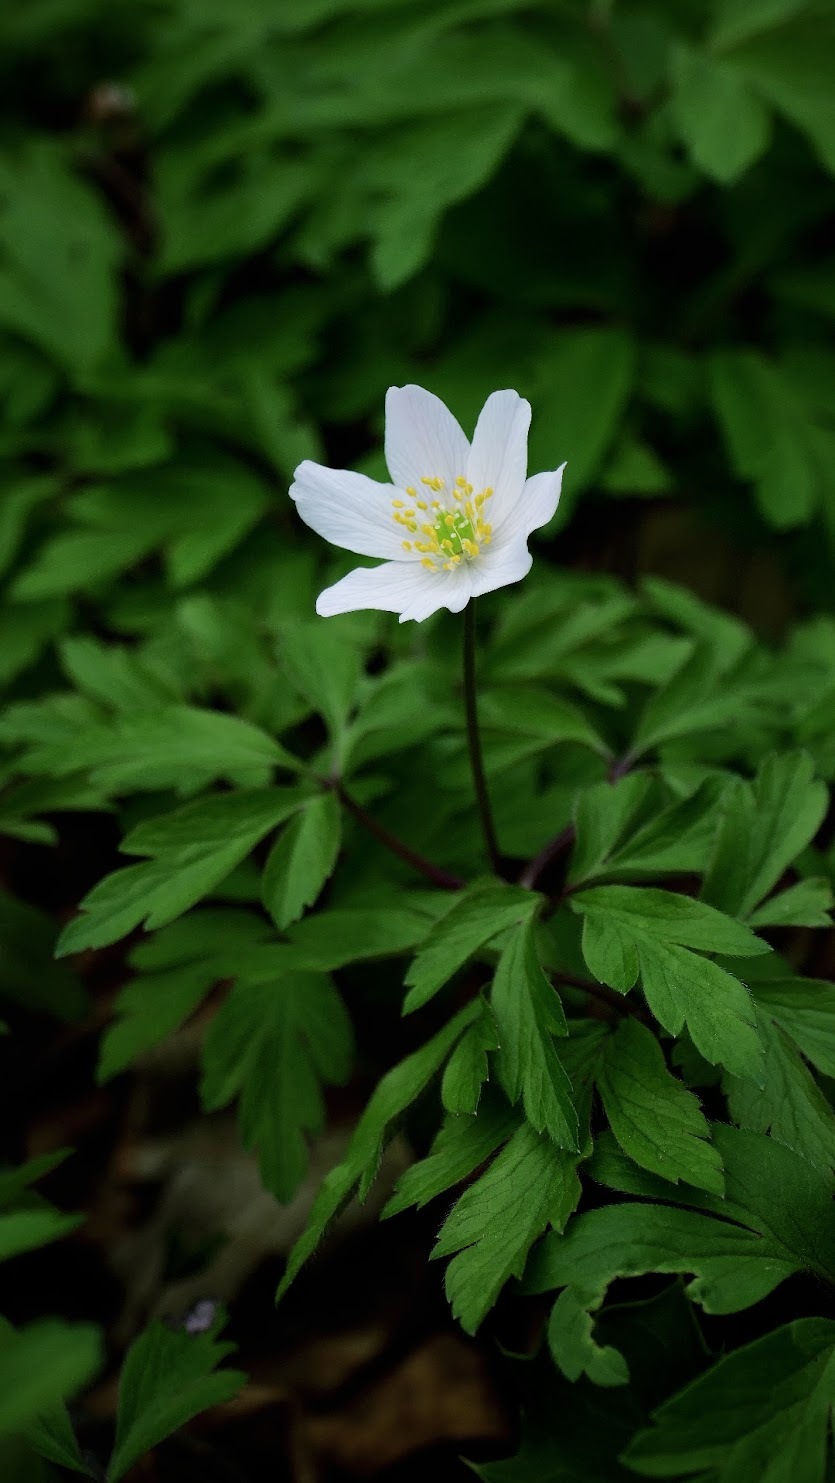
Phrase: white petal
x=441 y=589
x=389 y=588
x=499 y=455
x=500 y=566
x=537 y=505
x=423 y=439
x=349 y=510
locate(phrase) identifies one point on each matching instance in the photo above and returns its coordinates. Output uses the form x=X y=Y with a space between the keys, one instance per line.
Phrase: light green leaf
x=808 y=903
x=26 y=1230
x=665 y=917
x=691 y=703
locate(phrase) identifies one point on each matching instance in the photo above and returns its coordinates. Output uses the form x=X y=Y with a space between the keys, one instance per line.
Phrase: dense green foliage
x=225 y=229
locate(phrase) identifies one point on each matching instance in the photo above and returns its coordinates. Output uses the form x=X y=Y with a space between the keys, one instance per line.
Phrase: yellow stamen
x=421 y=504
x=410 y=489
x=470 y=547
x=398 y=504
x=407 y=545
x=427 y=562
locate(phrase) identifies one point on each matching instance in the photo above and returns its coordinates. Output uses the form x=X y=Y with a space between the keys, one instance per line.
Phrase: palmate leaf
x=629 y=930
x=776 y=1219
x=489 y=1232
x=273 y=1044
x=760 y=1415
x=474 y=919
x=790 y=1104
x=626 y=831
x=765 y=825
x=41 y=1366
x=173 y=746
x=192 y=850
x=467 y=1069
x=302 y=859
x=528 y=1016
x=394 y=1093
x=462 y=1144
x=168 y=1377
x=655 y=1119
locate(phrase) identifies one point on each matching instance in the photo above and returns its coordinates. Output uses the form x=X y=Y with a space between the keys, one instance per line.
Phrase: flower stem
x=434 y=873
x=474 y=740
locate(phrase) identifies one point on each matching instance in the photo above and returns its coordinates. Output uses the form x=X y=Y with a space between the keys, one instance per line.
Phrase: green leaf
x=25 y=1230
x=466 y=1071
x=28 y=971
x=60 y=257
x=574 y=1348
x=625 y=832
x=762 y=1412
x=789 y=1105
x=528 y=1016
x=273 y=1044
x=750 y=392
x=178 y=747
x=651 y=915
x=630 y=929
x=765 y=826
x=655 y=1119
x=193 y=849
x=736 y=20
x=805 y=1009
x=393 y=1094
x=491 y=1229
x=323 y=667
x=461 y=1146
x=52 y=1437
x=690 y=704
x=724 y=125
x=808 y=903
x=148 y=1009
x=42 y=1365
x=776 y=1219
x=784 y=64
x=168 y=1377
x=302 y=859
x=586 y=381
x=331 y=939
x=471 y=923
x=418 y=173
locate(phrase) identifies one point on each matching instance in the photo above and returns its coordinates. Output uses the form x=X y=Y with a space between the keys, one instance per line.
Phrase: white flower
x=453 y=523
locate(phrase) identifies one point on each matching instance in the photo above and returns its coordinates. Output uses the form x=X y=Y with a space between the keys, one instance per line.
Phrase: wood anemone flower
x=453 y=523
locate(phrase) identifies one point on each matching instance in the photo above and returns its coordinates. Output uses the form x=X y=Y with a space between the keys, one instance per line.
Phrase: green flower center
x=452 y=528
